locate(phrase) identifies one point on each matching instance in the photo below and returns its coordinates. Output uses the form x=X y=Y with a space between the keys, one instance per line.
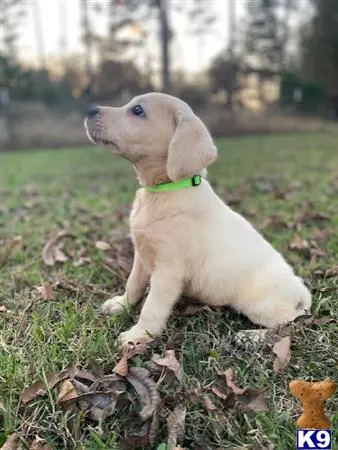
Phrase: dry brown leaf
x=316 y=253
x=130 y=350
x=254 y=399
x=323 y=234
x=99 y=405
x=208 y=403
x=299 y=245
x=333 y=272
x=51 y=253
x=102 y=245
x=12 y=442
x=146 y=390
x=219 y=393
x=176 y=426
x=275 y=223
x=40 y=387
x=279 y=194
x=39 y=444
x=283 y=354
x=229 y=376
x=171 y=363
x=46 y=291
x=67 y=392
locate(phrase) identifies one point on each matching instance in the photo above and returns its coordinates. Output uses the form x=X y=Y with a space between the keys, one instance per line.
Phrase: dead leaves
x=51 y=252
x=283 y=353
x=240 y=398
x=170 y=363
x=40 y=387
x=275 y=223
x=308 y=249
x=146 y=390
x=12 y=442
x=130 y=350
x=229 y=376
x=46 y=291
x=254 y=399
x=120 y=258
x=333 y=272
x=39 y=444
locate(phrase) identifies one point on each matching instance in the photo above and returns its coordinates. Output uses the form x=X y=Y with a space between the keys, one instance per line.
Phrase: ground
x=286 y=185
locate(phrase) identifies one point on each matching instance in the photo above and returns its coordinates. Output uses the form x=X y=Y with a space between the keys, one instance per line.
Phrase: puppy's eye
x=138 y=111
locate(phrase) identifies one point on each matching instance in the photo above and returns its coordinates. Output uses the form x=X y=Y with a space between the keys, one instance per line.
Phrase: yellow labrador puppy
x=187 y=241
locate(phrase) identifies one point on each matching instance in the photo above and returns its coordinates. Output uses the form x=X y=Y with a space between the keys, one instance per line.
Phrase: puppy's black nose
x=93 y=110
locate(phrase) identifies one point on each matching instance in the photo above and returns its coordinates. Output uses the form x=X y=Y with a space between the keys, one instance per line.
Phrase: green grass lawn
x=45 y=191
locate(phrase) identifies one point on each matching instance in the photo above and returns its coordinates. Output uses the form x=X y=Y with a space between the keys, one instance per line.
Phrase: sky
x=191 y=53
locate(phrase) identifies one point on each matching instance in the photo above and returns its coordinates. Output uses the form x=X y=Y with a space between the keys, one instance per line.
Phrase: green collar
x=175 y=185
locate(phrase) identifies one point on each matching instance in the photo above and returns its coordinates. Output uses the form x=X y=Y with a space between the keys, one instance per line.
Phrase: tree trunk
x=165 y=45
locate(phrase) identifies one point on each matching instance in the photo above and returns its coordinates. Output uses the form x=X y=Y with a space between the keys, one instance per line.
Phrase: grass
x=44 y=191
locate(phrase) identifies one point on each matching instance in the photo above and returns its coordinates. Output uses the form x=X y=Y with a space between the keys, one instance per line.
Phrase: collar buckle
x=196 y=180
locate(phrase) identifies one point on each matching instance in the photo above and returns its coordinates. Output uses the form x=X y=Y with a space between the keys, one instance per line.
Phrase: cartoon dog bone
x=313 y=396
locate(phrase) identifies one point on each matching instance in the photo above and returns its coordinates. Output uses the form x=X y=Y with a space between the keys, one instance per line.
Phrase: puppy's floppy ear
x=191 y=148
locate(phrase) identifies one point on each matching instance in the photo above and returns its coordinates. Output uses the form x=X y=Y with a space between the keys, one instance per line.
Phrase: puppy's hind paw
x=113 y=306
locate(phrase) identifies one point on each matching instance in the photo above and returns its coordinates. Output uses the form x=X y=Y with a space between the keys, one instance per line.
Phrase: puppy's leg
x=136 y=285
x=165 y=290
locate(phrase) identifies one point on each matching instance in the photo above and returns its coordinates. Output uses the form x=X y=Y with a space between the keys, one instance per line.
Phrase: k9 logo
x=314 y=439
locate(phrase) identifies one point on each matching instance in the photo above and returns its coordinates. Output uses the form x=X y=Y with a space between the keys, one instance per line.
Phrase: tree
x=319 y=46
x=224 y=74
x=263 y=40
x=12 y=13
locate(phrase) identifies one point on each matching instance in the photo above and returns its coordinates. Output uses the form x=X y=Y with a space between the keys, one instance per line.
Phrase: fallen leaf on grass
x=300 y=245
x=283 y=354
x=275 y=223
x=12 y=442
x=51 y=252
x=46 y=291
x=40 y=387
x=229 y=377
x=146 y=390
x=171 y=363
x=120 y=258
x=102 y=245
x=333 y=272
x=67 y=392
x=279 y=194
x=253 y=399
x=176 y=426
x=323 y=234
x=219 y=393
x=130 y=350
x=209 y=404
x=39 y=444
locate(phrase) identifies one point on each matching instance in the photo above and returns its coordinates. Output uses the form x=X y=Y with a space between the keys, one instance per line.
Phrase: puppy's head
x=158 y=133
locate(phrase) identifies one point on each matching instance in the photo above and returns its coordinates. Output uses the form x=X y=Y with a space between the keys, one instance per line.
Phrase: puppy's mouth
x=95 y=133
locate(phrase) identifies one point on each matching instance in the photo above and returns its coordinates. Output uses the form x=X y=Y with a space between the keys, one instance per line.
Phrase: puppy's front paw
x=114 y=305
x=135 y=334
